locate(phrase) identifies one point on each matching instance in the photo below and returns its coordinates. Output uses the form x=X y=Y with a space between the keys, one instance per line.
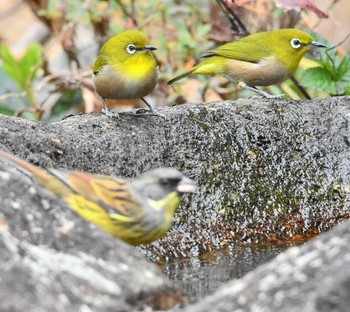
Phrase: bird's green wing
x=243 y=50
x=100 y=62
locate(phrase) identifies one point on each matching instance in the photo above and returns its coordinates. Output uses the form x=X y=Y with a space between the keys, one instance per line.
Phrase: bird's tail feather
x=43 y=176
x=170 y=82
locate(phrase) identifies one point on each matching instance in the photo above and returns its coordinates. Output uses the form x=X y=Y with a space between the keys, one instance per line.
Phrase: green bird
x=260 y=59
x=125 y=69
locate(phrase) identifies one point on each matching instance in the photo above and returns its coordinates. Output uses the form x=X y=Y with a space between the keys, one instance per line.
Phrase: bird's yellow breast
x=137 y=67
x=131 y=79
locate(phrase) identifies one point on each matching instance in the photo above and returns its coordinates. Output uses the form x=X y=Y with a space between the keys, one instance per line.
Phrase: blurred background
x=48 y=47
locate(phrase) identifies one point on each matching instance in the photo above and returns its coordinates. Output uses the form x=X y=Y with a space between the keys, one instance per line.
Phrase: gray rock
x=268 y=171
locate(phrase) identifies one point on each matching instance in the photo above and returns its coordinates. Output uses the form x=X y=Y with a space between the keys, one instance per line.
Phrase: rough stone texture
x=312 y=278
x=268 y=171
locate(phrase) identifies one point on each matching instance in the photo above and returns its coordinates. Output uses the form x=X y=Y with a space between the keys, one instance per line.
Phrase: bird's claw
x=261 y=94
x=109 y=113
x=156 y=113
x=161 y=116
x=268 y=96
x=151 y=112
x=276 y=96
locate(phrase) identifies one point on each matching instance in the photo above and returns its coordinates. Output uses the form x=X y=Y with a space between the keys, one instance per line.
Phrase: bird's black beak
x=186 y=185
x=149 y=48
x=315 y=44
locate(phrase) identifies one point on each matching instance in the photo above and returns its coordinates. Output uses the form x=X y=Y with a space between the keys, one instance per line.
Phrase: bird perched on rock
x=260 y=59
x=125 y=69
x=138 y=210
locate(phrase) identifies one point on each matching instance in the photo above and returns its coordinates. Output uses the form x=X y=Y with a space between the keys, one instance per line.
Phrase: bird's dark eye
x=131 y=49
x=295 y=43
x=170 y=183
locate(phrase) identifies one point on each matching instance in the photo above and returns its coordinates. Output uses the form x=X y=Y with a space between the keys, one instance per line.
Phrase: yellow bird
x=125 y=69
x=260 y=59
x=138 y=210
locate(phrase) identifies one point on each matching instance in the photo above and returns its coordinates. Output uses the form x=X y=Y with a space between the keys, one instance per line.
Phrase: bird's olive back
x=288 y=45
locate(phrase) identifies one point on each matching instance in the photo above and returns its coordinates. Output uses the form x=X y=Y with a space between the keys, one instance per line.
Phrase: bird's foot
x=109 y=113
x=261 y=94
x=267 y=96
x=151 y=112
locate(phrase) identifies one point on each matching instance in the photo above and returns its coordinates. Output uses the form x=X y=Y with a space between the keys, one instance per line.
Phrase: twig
x=340 y=43
x=301 y=88
x=236 y=24
x=334 y=47
x=12 y=95
x=126 y=12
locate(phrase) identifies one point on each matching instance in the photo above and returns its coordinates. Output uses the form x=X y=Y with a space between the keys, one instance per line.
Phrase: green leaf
x=341 y=76
x=11 y=66
x=333 y=75
x=30 y=63
x=319 y=78
x=22 y=71
x=344 y=69
x=4 y=110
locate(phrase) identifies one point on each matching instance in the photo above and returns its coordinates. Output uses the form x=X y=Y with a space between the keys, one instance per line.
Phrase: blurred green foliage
x=181 y=30
x=333 y=73
x=24 y=70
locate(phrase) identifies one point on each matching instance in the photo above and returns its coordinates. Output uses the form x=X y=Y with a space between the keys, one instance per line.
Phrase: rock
x=314 y=278
x=268 y=172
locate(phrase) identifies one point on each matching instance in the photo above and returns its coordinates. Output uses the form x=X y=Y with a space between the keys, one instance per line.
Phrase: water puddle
x=201 y=276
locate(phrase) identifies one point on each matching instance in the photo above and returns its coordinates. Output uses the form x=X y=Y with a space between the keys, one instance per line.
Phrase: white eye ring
x=131 y=49
x=295 y=43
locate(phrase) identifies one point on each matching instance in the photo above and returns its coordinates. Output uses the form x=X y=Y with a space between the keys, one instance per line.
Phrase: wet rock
x=314 y=278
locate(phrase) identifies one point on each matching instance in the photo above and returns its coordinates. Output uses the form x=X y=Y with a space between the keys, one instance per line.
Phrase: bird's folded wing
x=238 y=50
x=112 y=194
x=100 y=62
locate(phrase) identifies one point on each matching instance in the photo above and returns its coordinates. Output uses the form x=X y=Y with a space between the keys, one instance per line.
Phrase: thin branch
x=126 y=12
x=340 y=43
x=236 y=24
x=301 y=88
x=12 y=95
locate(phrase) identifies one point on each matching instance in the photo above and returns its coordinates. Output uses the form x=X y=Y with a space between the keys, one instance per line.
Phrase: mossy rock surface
x=268 y=172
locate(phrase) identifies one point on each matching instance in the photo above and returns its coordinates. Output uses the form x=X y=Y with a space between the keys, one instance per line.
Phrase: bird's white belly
x=113 y=85
x=265 y=73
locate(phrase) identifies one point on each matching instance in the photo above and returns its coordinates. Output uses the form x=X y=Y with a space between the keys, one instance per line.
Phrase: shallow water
x=199 y=277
